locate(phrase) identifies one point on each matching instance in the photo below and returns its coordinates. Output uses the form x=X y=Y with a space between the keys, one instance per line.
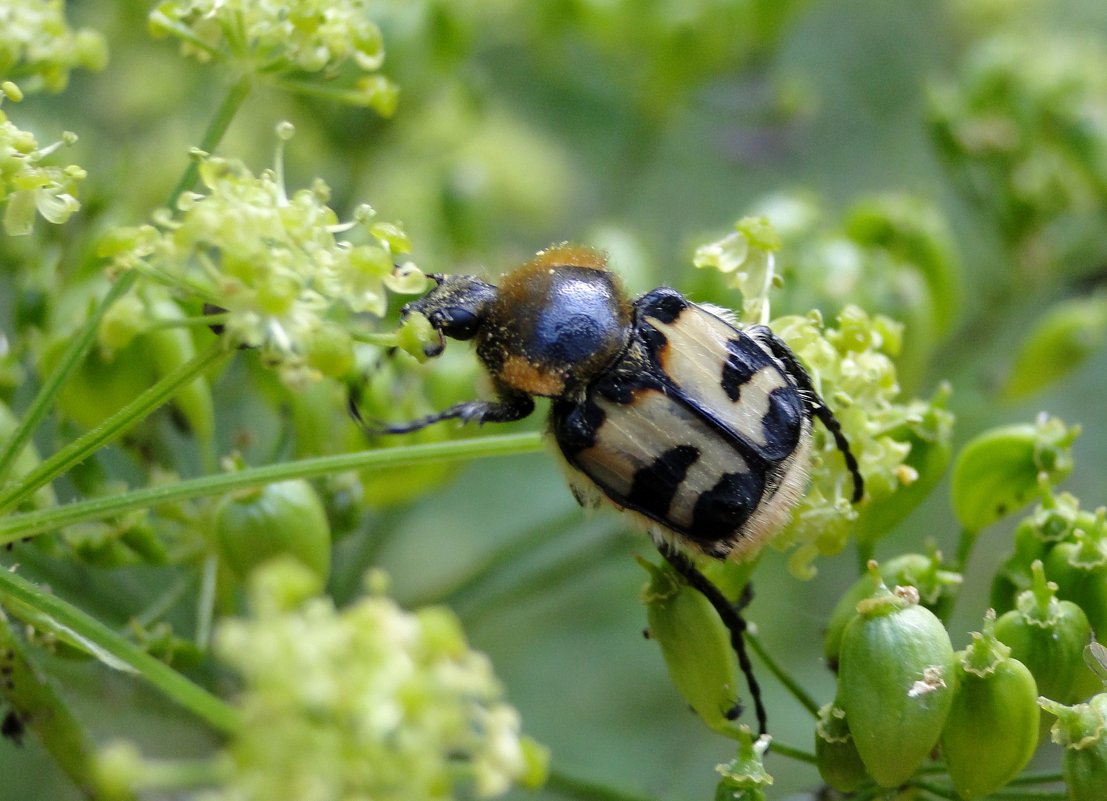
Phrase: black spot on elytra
x=721 y=510
x=655 y=485
x=663 y=304
x=742 y=363
x=782 y=424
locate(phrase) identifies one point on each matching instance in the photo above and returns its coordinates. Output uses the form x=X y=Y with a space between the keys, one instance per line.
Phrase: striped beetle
x=665 y=408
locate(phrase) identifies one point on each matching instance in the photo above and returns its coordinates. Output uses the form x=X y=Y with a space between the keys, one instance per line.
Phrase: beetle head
x=456 y=307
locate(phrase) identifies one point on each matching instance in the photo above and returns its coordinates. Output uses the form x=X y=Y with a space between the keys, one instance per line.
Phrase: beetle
x=667 y=409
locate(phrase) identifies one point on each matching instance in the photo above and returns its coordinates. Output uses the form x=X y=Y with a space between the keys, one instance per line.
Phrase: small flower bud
x=744 y=778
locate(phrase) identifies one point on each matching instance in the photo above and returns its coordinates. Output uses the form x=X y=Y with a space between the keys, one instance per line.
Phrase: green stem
x=232 y=101
x=1002 y=795
x=18 y=594
x=1044 y=777
x=798 y=754
x=131 y=414
x=41 y=710
x=782 y=676
x=965 y=545
x=48 y=392
x=585 y=790
x=28 y=524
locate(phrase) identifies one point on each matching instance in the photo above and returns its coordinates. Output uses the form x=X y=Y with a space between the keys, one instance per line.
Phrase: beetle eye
x=457 y=323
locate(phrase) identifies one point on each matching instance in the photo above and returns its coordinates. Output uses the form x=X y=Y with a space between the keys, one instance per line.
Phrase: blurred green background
x=646 y=129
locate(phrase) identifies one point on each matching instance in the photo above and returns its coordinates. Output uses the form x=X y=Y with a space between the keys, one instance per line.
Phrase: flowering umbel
x=294 y=39
x=26 y=184
x=369 y=701
x=274 y=263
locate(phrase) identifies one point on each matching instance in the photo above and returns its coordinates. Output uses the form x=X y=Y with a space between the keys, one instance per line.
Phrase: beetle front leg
x=507 y=408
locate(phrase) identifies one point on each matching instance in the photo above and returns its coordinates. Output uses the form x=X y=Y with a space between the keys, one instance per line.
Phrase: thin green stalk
x=41 y=710
x=587 y=790
x=1001 y=795
x=1043 y=777
x=50 y=388
x=131 y=414
x=17 y=592
x=28 y=524
x=798 y=754
x=965 y=543
x=782 y=676
x=232 y=101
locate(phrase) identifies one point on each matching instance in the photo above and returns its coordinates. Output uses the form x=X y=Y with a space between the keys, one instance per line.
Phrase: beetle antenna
x=731 y=617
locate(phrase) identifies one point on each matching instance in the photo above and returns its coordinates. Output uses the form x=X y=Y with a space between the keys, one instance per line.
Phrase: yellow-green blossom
x=38 y=48
x=274 y=263
x=368 y=701
x=27 y=185
x=285 y=38
x=898 y=443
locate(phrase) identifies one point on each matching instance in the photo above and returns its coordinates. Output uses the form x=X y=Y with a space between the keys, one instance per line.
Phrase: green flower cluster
x=1024 y=129
x=283 y=38
x=891 y=252
x=902 y=447
x=38 y=48
x=369 y=701
x=27 y=185
x=274 y=263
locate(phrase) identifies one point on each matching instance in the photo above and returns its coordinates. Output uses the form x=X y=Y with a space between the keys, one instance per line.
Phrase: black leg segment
x=507 y=409
x=731 y=618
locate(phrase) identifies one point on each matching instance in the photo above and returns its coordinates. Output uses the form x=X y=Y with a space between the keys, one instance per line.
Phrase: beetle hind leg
x=732 y=619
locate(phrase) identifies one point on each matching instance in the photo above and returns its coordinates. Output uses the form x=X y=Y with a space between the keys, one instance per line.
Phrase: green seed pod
x=937 y=589
x=997 y=472
x=1050 y=523
x=744 y=778
x=1082 y=731
x=835 y=751
x=695 y=644
x=1048 y=636
x=1057 y=342
x=895 y=681
x=1080 y=569
x=288 y=518
x=992 y=728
